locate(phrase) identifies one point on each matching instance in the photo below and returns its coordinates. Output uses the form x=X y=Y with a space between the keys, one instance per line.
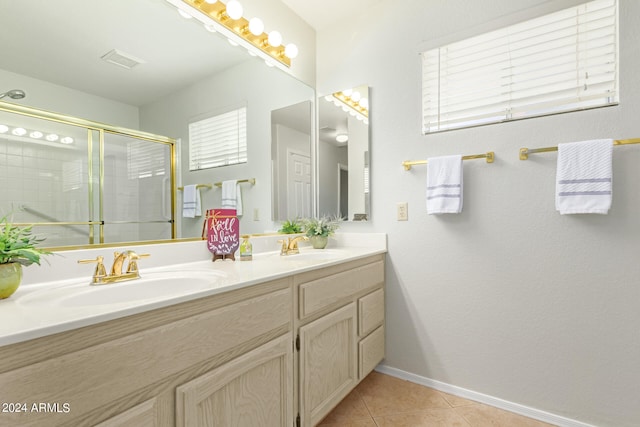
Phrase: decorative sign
x=223 y=233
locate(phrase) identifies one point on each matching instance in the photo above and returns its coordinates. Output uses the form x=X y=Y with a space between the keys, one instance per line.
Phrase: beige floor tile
x=487 y=416
x=351 y=408
x=350 y=423
x=386 y=395
x=430 y=418
x=457 y=401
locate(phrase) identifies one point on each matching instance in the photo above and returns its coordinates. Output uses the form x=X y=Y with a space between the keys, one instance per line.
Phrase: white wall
x=330 y=156
x=509 y=298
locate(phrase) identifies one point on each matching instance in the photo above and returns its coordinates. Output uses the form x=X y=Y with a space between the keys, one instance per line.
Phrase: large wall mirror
x=69 y=57
x=343 y=154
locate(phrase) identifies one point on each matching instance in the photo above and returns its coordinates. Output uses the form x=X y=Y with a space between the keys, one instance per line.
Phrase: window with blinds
x=561 y=62
x=219 y=140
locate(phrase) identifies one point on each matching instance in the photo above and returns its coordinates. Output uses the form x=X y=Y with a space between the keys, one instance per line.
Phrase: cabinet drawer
x=370 y=352
x=331 y=291
x=370 y=312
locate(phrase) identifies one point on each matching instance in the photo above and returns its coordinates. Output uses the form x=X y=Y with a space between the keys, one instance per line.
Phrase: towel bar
x=524 y=152
x=490 y=156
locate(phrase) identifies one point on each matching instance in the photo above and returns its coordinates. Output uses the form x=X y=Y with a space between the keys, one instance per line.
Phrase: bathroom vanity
x=277 y=341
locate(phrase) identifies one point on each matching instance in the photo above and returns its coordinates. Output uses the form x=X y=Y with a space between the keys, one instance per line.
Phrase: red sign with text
x=223 y=231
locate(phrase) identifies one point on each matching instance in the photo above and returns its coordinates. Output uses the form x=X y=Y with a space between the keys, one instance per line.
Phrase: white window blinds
x=219 y=140
x=560 y=62
x=146 y=159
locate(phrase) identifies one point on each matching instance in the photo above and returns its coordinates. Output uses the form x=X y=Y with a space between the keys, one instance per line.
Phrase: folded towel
x=584 y=177
x=232 y=196
x=444 y=184
x=191 y=205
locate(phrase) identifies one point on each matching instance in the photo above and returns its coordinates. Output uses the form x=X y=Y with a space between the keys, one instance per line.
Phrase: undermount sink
x=151 y=286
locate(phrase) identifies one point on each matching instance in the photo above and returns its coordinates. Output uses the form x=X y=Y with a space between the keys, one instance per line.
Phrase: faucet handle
x=284 y=246
x=133 y=261
x=100 y=271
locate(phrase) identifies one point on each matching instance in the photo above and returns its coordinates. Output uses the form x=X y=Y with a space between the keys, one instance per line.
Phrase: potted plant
x=17 y=248
x=318 y=230
x=291 y=226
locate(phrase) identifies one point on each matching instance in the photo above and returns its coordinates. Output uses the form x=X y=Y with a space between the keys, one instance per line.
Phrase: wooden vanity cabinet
x=340 y=327
x=277 y=354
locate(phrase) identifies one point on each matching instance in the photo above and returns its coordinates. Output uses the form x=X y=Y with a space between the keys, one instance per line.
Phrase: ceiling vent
x=122 y=59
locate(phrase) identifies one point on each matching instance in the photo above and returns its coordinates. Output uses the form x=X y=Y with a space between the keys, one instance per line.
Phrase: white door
x=298 y=185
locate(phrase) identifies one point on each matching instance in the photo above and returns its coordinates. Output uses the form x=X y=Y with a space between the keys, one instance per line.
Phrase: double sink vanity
x=276 y=341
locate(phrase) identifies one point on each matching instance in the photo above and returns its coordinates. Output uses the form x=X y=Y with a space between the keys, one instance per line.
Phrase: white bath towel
x=444 y=184
x=232 y=196
x=191 y=204
x=584 y=177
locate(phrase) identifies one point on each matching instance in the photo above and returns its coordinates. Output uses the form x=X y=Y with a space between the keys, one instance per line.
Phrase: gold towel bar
x=251 y=181
x=524 y=152
x=207 y=186
x=490 y=156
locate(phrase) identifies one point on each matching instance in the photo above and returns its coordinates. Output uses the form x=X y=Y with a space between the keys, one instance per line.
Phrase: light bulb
x=19 y=131
x=347 y=92
x=355 y=96
x=275 y=38
x=36 y=134
x=210 y=1
x=342 y=138
x=52 y=137
x=256 y=26
x=328 y=98
x=67 y=140
x=4 y=128
x=184 y=14
x=364 y=102
x=291 y=50
x=234 y=9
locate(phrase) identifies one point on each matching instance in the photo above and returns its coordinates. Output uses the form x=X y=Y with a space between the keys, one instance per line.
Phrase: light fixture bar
x=217 y=12
x=349 y=102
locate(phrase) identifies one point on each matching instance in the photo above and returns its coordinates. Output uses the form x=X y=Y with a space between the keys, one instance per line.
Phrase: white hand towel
x=191 y=204
x=444 y=184
x=584 y=177
x=232 y=196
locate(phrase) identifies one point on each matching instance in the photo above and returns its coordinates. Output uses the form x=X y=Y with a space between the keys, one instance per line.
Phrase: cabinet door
x=328 y=363
x=254 y=389
x=142 y=415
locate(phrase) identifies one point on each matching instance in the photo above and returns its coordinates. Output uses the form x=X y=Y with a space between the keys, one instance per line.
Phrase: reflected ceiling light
x=228 y=20
x=67 y=140
x=52 y=137
x=19 y=131
x=210 y=28
x=234 y=9
x=342 y=138
x=4 y=128
x=210 y=1
x=36 y=134
x=232 y=43
x=256 y=26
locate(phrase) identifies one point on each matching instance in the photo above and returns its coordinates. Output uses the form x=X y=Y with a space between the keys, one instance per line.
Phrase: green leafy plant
x=291 y=226
x=324 y=226
x=18 y=244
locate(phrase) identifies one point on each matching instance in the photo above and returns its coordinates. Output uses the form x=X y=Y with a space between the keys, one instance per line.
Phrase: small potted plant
x=318 y=230
x=291 y=226
x=17 y=248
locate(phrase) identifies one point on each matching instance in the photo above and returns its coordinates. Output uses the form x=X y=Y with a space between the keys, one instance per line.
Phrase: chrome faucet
x=290 y=246
x=100 y=276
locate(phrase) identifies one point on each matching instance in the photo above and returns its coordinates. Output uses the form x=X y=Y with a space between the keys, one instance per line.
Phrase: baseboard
x=483 y=398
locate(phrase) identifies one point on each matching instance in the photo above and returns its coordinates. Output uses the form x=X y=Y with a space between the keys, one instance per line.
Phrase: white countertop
x=40 y=306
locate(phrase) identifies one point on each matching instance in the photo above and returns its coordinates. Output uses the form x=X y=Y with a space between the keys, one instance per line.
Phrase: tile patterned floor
x=384 y=401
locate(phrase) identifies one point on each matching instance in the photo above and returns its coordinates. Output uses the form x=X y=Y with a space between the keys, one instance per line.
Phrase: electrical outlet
x=256 y=214
x=403 y=211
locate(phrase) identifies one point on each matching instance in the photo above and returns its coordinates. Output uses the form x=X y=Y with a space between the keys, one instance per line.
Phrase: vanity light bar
x=218 y=13
x=35 y=134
